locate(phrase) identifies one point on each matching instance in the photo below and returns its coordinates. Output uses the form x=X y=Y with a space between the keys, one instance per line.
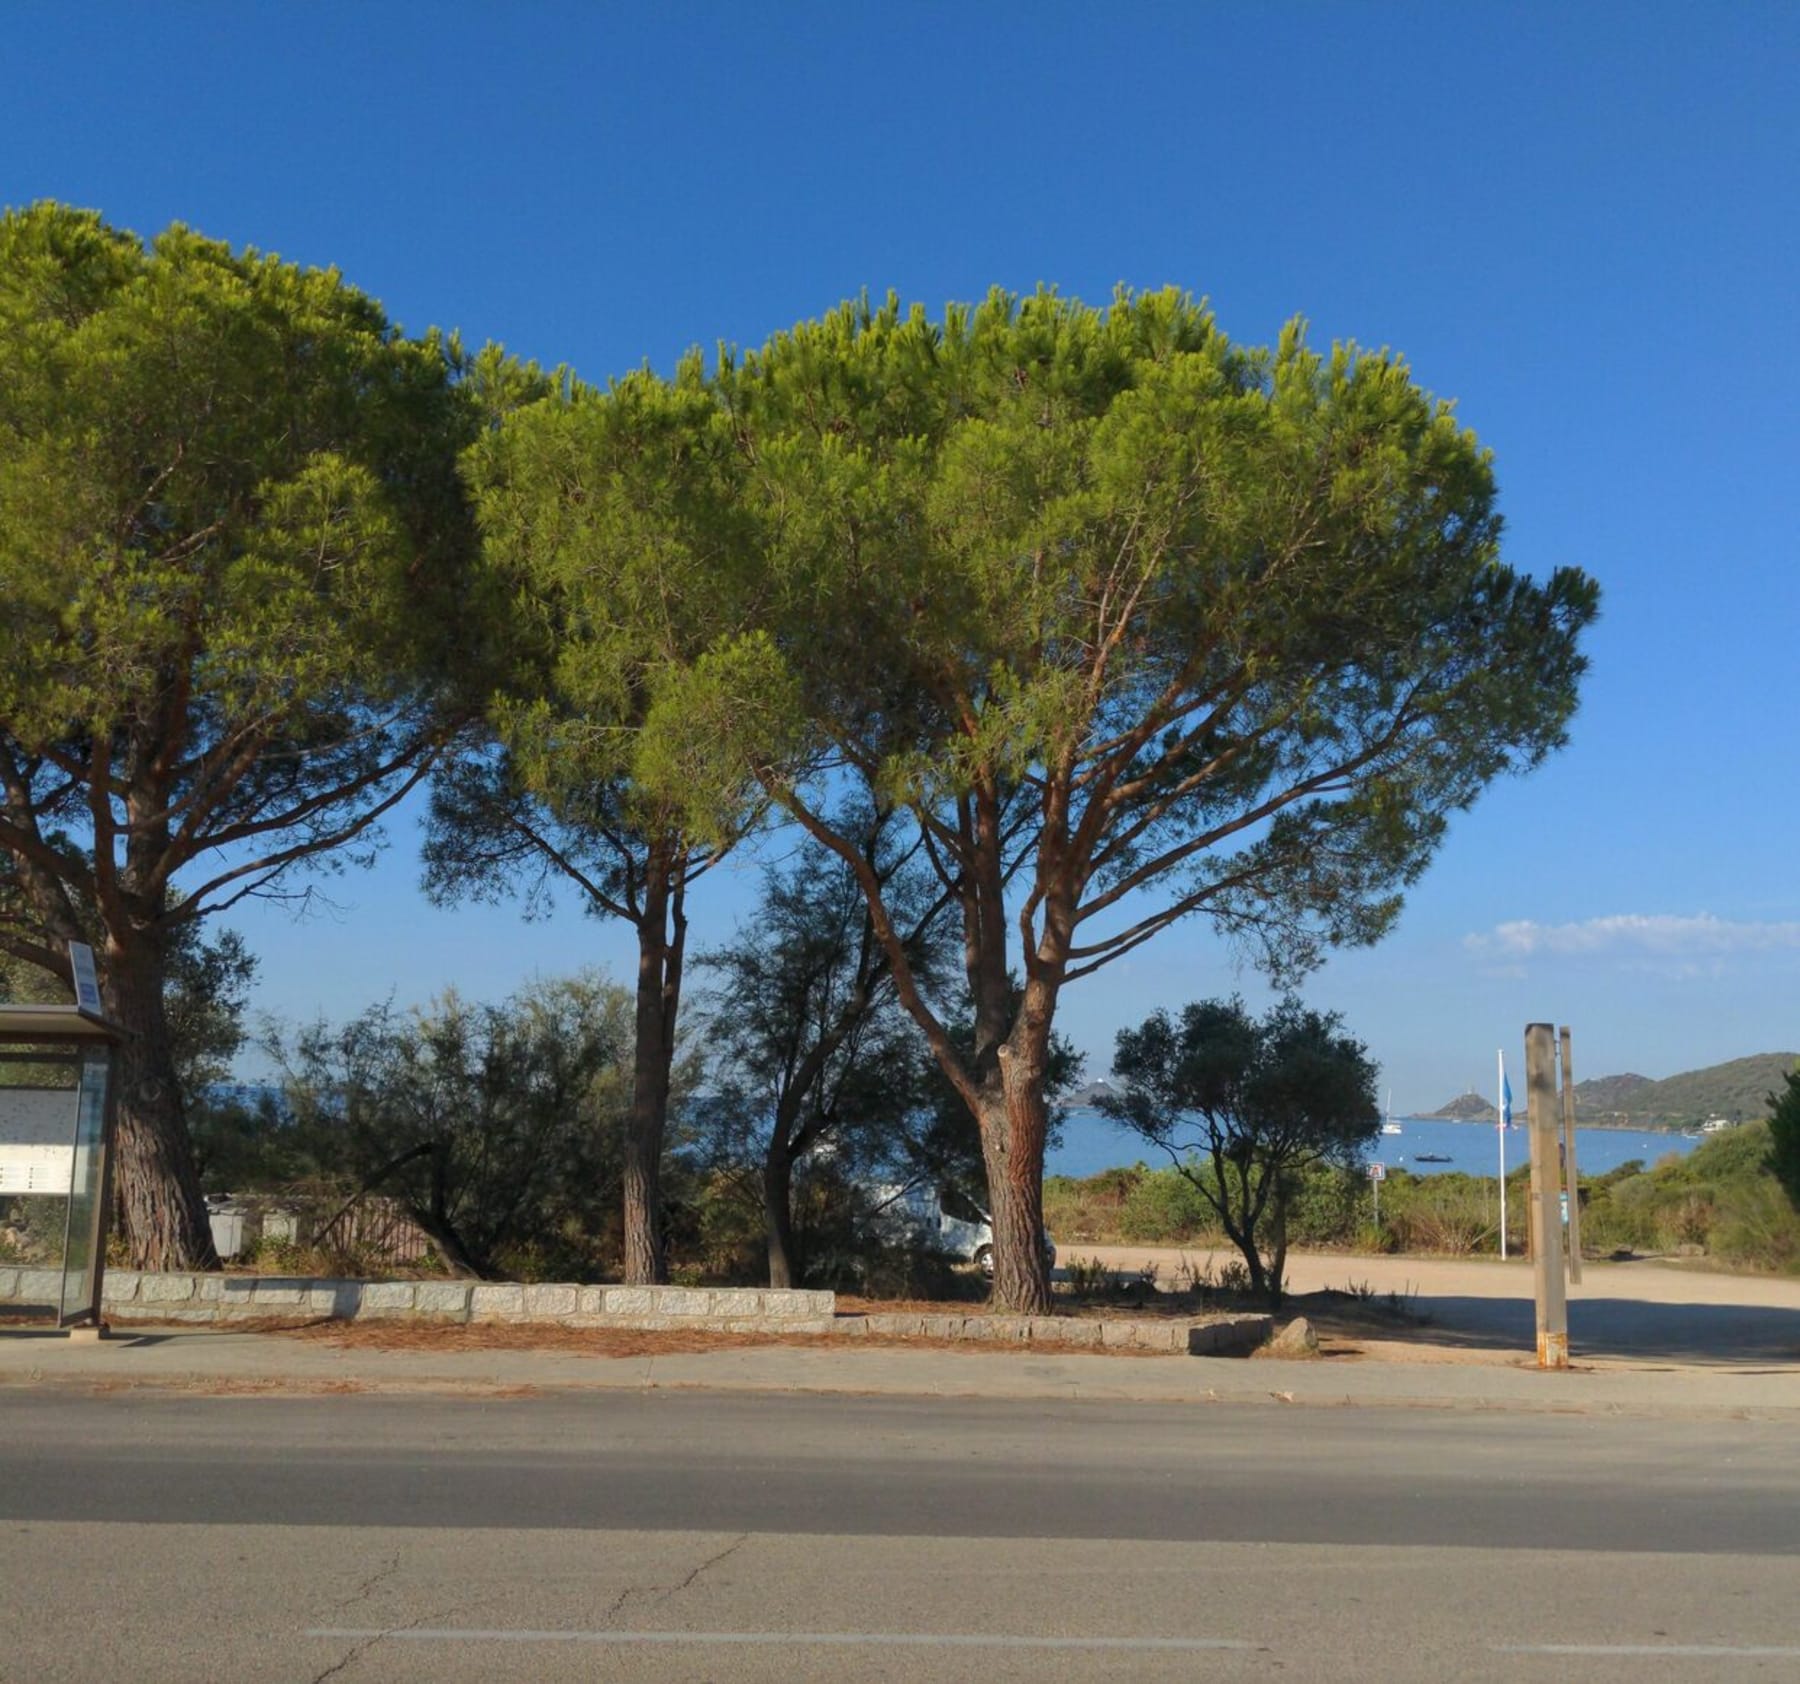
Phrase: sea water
x=1092 y=1142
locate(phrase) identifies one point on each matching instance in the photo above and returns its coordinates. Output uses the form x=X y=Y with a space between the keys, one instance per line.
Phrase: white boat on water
x=1390 y=1126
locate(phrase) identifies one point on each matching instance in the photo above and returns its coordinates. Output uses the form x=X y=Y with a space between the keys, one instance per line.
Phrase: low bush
x=31 y=1230
x=1722 y=1198
x=1444 y=1215
x=1165 y=1208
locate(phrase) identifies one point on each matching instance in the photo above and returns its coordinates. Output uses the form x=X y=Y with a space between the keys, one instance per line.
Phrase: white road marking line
x=834 y=1639
x=1701 y=1651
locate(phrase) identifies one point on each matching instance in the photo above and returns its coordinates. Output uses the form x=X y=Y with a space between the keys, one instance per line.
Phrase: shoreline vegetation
x=1619 y=1123
x=1721 y=1201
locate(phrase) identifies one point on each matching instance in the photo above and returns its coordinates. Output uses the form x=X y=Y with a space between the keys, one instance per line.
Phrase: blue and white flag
x=1505 y=1100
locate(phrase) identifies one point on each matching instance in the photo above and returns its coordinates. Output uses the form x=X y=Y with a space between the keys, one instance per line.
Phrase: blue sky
x=1578 y=221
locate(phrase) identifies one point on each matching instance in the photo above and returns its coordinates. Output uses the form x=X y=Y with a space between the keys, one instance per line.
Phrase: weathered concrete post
x=1571 y=1181
x=1546 y=1201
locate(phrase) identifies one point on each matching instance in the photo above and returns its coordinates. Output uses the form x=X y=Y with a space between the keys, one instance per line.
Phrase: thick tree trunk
x=658 y=996
x=1015 y=1118
x=644 y=1262
x=778 y=1211
x=155 y=1179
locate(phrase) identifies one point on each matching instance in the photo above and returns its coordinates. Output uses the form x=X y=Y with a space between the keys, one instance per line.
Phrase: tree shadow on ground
x=1725 y=1334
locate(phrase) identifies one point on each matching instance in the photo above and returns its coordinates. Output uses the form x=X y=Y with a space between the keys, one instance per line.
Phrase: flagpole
x=1500 y=1130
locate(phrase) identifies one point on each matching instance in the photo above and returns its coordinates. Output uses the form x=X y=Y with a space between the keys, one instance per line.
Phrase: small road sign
x=1378 y=1172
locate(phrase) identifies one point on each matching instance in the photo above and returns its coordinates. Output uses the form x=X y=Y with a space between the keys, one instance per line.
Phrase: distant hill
x=1089 y=1093
x=1611 y=1093
x=1737 y=1090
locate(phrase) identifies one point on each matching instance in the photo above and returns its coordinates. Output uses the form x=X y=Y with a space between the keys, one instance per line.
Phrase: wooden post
x=1571 y=1181
x=1546 y=1188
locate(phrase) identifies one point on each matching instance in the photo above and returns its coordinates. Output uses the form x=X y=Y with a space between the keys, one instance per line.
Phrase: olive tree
x=811 y=1051
x=1230 y=626
x=1242 y=1105
x=494 y=1126
x=234 y=574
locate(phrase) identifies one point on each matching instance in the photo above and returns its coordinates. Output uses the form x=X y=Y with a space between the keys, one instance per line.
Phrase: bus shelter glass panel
x=39 y=1093
x=87 y=1189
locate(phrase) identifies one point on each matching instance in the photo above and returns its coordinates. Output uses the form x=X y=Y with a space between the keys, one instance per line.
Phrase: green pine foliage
x=1133 y=622
x=236 y=584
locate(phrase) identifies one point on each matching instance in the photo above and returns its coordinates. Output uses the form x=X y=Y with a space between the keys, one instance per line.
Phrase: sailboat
x=1390 y=1126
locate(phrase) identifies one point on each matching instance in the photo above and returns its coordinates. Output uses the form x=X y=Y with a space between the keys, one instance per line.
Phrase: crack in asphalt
x=364 y=1645
x=711 y=1561
x=366 y=1589
x=361 y=1594
x=667 y=1591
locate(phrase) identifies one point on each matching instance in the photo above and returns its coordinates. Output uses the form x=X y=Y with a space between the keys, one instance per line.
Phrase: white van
x=941 y=1218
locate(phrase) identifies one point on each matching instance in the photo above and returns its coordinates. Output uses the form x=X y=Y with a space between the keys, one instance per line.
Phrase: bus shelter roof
x=36 y=1025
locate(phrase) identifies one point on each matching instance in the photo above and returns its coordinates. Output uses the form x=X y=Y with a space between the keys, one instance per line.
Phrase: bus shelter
x=56 y=1135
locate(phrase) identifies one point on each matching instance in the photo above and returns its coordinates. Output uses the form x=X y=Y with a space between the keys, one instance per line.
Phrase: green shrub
x=1326 y=1205
x=1721 y=1197
x=31 y=1230
x=1164 y=1208
x=1448 y=1215
x=1759 y=1227
x=1088 y=1208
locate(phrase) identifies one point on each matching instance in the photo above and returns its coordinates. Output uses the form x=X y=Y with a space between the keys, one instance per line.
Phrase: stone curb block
x=1230 y=1336
x=444 y=1298
x=492 y=1302
x=383 y=1299
x=40 y=1286
x=165 y=1289
x=628 y=1301
x=550 y=1302
x=287 y=1292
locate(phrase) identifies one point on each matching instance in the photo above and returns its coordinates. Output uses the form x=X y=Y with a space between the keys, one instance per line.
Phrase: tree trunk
x=1278 y=1246
x=1015 y=1118
x=659 y=960
x=1244 y=1238
x=778 y=1210
x=157 y=1185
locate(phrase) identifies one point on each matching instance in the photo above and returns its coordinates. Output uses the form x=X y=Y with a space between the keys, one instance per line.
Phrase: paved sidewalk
x=218 y=1362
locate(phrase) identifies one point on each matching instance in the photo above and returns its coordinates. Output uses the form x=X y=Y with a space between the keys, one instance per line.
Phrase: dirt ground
x=1436 y=1310
x=1345 y=1323
x=1480 y=1309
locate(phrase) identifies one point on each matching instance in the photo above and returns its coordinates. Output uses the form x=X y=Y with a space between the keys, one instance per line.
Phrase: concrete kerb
x=131 y=1295
x=134 y=1297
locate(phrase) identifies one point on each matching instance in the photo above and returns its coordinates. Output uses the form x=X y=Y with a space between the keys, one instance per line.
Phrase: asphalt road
x=698 y=1536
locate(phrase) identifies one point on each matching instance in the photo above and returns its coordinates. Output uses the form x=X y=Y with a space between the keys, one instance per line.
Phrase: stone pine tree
x=1231 y=624
x=234 y=563
x=606 y=518
x=1242 y=1105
